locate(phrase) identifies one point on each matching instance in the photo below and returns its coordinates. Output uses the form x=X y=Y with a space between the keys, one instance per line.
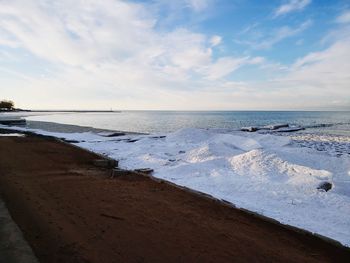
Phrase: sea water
x=325 y=131
x=330 y=122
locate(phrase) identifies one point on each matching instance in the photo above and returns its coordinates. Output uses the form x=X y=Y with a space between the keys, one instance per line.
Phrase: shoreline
x=330 y=221
x=189 y=208
x=58 y=111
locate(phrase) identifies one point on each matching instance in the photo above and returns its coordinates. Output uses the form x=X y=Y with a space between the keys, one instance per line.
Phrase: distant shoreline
x=189 y=111
x=15 y=110
x=74 y=111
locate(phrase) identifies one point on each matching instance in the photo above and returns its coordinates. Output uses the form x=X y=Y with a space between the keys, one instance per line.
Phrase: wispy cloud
x=215 y=40
x=316 y=81
x=321 y=78
x=199 y=5
x=291 y=6
x=223 y=67
x=276 y=36
x=341 y=29
x=196 y=6
x=344 y=18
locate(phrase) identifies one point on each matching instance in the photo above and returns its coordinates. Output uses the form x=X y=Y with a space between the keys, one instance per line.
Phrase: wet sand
x=71 y=211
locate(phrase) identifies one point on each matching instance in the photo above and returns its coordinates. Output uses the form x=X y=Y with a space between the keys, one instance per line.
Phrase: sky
x=176 y=54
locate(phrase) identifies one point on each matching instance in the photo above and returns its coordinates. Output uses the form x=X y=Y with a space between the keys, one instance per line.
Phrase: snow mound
x=235 y=141
x=189 y=135
x=267 y=166
x=271 y=141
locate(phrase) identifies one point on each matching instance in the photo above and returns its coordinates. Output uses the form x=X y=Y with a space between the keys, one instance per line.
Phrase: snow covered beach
x=264 y=173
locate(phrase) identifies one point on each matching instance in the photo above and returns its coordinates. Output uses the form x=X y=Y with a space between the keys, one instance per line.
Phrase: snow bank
x=263 y=173
x=11 y=135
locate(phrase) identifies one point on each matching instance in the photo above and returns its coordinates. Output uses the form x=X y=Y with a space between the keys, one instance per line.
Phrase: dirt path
x=70 y=211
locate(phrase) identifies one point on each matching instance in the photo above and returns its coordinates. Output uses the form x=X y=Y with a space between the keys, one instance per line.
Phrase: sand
x=71 y=211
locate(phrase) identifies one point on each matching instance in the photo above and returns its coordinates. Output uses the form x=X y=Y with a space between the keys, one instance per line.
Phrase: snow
x=11 y=135
x=335 y=145
x=268 y=174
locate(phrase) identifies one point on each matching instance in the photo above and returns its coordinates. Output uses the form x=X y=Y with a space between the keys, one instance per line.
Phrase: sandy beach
x=71 y=211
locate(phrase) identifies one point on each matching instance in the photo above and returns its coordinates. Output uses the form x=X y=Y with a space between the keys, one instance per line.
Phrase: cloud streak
x=344 y=18
x=291 y=6
x=199 y=5
x=277 y=36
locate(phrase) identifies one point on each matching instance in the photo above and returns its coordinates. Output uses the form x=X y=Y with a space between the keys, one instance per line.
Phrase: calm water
x=164 y=121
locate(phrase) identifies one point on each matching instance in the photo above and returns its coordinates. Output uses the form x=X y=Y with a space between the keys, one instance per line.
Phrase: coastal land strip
x=71 y=211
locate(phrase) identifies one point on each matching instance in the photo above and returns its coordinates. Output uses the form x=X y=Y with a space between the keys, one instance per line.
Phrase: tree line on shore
x=7 y=105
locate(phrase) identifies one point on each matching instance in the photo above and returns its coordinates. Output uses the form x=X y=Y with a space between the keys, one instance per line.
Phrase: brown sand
x=70 y=211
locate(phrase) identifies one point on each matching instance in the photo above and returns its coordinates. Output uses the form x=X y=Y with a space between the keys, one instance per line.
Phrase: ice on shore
x=11 y=135
x=268 y=174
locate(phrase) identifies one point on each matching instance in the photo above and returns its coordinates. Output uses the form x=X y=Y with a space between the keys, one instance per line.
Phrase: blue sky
x=176 y=55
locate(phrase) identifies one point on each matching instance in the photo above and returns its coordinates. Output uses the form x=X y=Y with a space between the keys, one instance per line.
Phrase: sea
x=325 y=122
x=324 y=131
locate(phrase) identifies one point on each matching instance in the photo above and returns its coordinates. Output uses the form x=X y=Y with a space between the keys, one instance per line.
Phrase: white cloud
x=178 y=7
x=291 y=6
x=76 y=34
x=276 y=36
x=320 y=79
x=329 y=66
x=106 y=47
x=93 y=32
x=257 y=61
x=317 y=81
x=215 y=40
x=344 y=18
x=198 y=5
x=222 y=67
